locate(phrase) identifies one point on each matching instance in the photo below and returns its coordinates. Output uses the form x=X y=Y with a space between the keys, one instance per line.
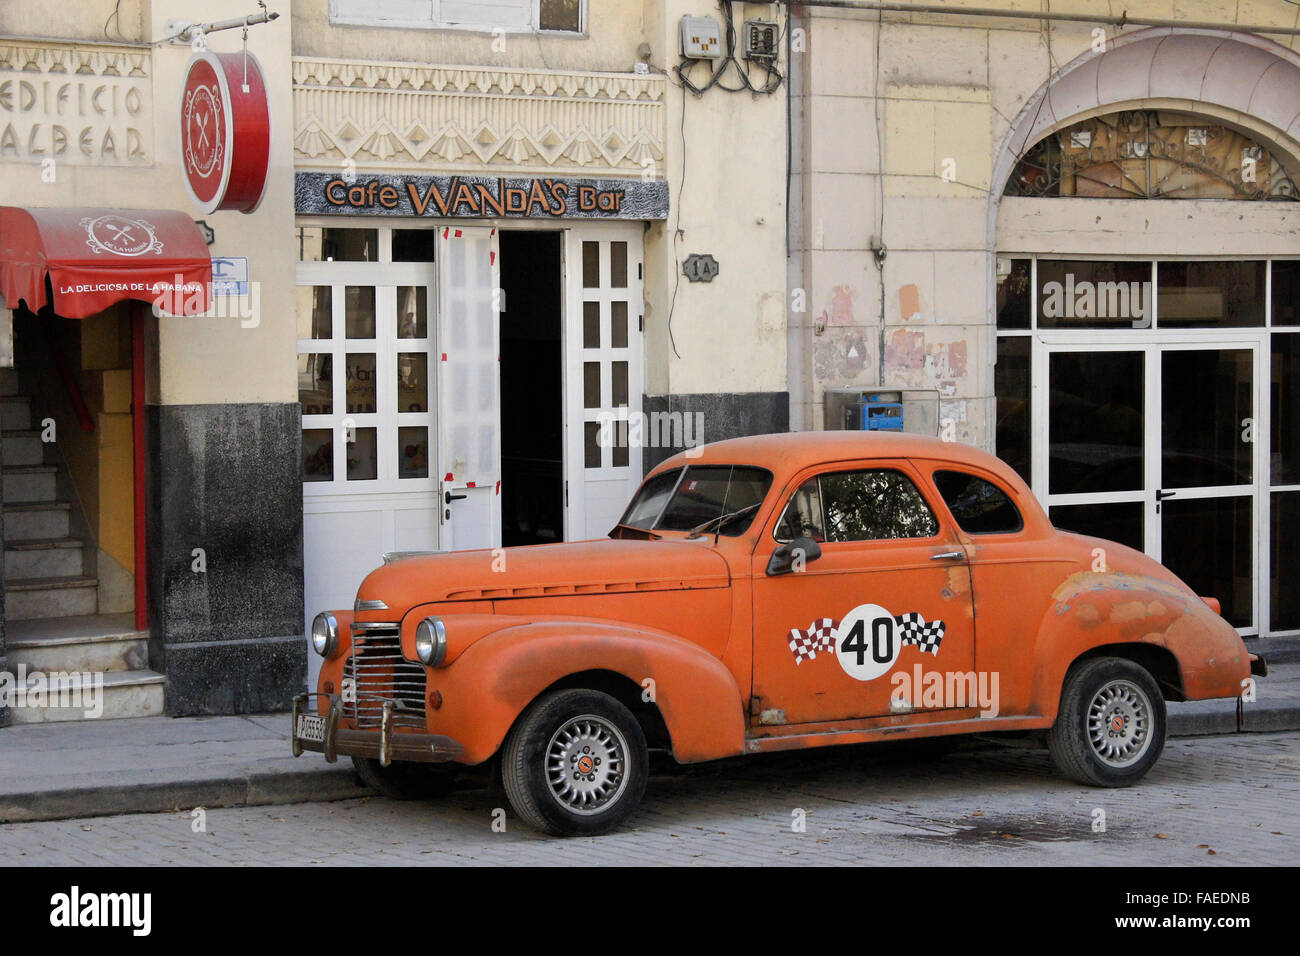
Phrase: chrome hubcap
x=585 y=764
x=1119 y=723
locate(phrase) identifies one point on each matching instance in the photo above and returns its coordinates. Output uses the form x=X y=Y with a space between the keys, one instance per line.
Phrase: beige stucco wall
x=941 y=100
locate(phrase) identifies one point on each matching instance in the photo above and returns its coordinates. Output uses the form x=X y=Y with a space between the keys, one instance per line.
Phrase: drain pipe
x=1123 y=20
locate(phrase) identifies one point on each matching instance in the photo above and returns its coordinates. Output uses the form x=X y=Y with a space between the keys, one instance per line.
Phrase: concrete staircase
x=52 y=624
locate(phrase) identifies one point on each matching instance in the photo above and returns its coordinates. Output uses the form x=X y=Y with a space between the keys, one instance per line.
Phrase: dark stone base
x=226 y=479
x=726 y=415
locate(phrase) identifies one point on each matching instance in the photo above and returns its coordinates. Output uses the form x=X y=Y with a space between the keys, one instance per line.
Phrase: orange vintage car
x=763 y=594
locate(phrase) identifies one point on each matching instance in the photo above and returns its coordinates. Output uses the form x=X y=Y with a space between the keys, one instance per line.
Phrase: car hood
x=602 y=566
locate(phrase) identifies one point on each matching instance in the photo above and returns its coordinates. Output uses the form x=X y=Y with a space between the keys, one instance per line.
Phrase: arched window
x=1150 y=154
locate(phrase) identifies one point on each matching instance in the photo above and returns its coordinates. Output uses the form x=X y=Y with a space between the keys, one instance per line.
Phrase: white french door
x=1158 y=441
x=603 y=375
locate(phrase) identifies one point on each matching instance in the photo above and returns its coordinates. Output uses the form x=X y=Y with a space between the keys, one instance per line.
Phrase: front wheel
x=1111 y=727
x=575 y=764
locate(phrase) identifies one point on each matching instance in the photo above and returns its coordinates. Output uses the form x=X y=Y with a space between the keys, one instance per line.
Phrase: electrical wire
x=115 y=15
x=771 y=85
x=677 y=266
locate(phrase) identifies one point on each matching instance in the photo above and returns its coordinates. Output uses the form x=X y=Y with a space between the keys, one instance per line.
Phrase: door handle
x=947 y=555
x=449 y=497
x=1161 y=494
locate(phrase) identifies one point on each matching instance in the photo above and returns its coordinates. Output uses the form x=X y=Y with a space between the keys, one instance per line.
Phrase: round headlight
x=431 y=641
x=324 y=634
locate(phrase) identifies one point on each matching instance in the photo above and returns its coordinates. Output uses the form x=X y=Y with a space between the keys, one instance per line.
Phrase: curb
x=250 y=790
x=1204 y=722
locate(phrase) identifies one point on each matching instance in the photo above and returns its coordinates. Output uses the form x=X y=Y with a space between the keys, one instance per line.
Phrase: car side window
x=803 y=515
x=870 y=505
x=978 y=506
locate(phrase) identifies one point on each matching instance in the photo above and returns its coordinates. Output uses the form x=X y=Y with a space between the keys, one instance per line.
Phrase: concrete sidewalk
x=157 y=764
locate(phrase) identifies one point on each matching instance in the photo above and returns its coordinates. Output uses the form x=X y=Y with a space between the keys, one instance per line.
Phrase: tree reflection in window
x=874 y=505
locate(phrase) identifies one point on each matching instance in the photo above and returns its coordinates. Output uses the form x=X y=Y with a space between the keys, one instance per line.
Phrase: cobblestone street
x=1209 y=801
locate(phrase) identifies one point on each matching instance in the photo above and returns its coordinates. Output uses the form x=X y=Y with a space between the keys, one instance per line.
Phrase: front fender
x=1093 y=609
x=486 y=689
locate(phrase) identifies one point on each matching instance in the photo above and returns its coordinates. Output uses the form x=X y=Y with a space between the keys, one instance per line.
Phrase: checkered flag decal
x=820 y=636
x=912 y=629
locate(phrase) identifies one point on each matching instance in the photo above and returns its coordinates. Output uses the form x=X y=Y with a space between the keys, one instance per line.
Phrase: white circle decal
x=867 y=642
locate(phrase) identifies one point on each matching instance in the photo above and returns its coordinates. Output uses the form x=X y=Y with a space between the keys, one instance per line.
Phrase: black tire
x=1111 y=727
x=402 y=780
x=602 y=750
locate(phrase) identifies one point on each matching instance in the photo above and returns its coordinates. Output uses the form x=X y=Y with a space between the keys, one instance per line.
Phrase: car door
x=859 y=631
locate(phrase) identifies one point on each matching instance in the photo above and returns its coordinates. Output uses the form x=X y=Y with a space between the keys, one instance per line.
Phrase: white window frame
x=437 y=22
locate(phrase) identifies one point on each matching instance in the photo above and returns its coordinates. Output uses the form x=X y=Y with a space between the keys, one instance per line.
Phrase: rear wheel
x=575 y=764
x=1111 y=727
x=402 y=780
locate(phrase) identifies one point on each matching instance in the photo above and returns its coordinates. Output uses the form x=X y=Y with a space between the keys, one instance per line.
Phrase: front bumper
x=383 y=744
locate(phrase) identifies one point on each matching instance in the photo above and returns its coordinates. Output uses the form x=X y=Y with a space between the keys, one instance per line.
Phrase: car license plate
x=311 y=727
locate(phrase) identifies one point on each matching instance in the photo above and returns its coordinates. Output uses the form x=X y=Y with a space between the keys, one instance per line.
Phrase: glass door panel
x=1096 y=422
x=1206 y=417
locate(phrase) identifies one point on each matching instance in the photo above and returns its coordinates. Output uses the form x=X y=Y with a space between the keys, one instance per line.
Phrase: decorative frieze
x=78 y=104
x=396 y=116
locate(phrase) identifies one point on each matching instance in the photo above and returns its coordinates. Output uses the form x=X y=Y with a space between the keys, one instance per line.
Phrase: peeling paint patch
x=958 y=579
x=909 y=301
x=1088 y=614
x=842 y=305
x=772 y=716
x=905 y=349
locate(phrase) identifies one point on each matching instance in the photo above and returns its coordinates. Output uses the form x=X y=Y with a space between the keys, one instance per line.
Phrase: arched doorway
x=1146 y=297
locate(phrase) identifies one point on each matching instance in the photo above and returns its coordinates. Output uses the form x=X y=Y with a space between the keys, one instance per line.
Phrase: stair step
x=89 y=642
x=22 y=448
x=30 y=483
x=43 y=519
x=45 y=558
x=15 y=413
x=67 y=596
x=137 y=693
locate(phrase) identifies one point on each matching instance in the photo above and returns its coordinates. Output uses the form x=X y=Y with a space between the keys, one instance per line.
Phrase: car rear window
x=978 y=506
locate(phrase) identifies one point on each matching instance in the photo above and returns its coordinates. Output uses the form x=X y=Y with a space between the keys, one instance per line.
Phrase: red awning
x=97 y=257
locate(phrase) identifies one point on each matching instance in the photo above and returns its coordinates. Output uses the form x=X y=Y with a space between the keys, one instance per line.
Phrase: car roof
x=782 y=451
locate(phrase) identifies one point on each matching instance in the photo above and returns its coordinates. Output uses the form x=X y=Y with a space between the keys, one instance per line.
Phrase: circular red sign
x=225 y=131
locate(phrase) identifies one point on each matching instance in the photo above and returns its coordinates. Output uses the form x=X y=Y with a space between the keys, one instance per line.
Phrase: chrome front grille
x=379 y=673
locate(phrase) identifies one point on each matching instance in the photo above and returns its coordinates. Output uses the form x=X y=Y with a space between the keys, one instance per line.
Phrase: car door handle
x=947 y=555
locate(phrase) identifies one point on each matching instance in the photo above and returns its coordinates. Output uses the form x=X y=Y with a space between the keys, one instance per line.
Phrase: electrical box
x=915 y=411
x=701 y=38
x=760 y=38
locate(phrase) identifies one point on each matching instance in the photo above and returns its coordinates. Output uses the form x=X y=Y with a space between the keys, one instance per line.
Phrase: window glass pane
x=1013 y=295
x=710 y=491
x=1207 y=542
x=978 y=506
x=591 y=445
x=315 y=311
x=317 y=454
x=591 y=325
x=413 y=452
x=331 y=244
x=874 y=505
x=359 y=311
x=1206 y=402
x=1284 y=452
x=591 y=385
x=618 y=384
x=561 y=15
x=618 y=325
x=316 y=383
x=1210 y=294
x=1011 y=382
x=1284 y=566
x=650 y=500
x=618 y=265
x=803 y=515
x=412 y=382
x=363 y=456
x=1095 y=422
x=414 y=245
x=1082 y=294
x=1121 y=522
x=1286 y=291
x=361 y=383
x=591 y=265
x=620 y=449
x=412 y=312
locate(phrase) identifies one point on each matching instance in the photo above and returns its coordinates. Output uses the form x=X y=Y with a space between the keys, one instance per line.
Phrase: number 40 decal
x=866 y=645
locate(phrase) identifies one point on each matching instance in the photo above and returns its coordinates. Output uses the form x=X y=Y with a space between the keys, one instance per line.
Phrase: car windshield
x=682 y=499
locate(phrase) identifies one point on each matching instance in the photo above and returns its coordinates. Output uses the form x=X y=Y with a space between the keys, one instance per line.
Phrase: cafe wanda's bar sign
x=480 y=197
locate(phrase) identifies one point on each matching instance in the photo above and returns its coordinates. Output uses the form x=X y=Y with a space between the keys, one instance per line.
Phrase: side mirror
x=798 y=552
